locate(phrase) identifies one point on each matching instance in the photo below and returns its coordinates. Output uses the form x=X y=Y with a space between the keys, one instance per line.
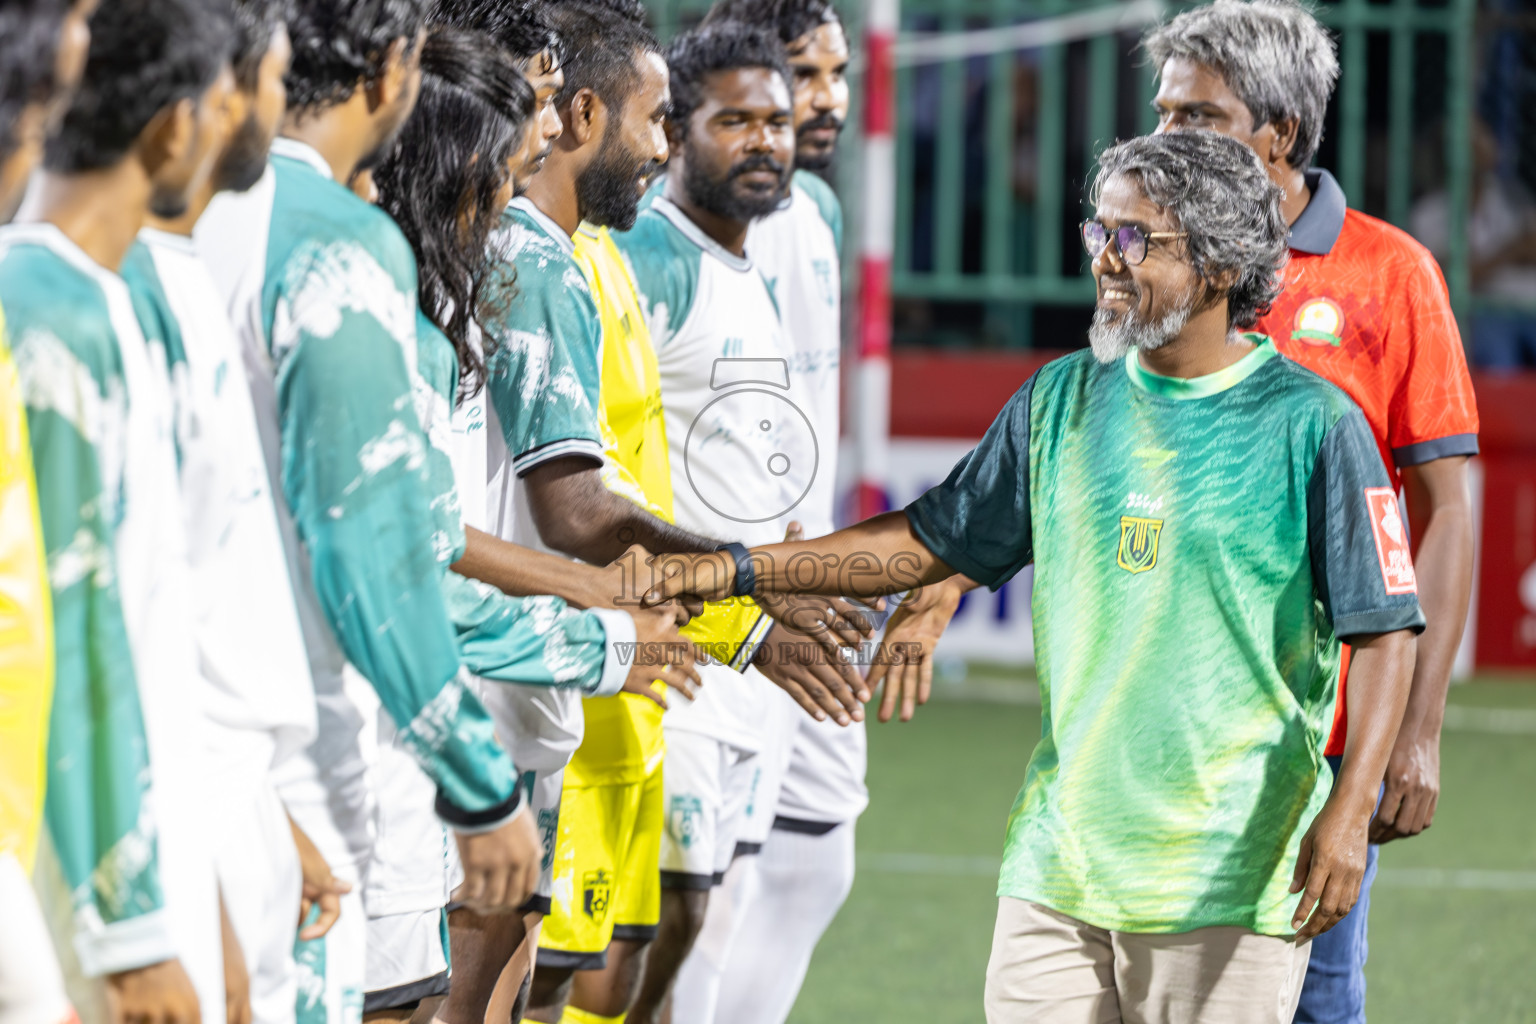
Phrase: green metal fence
x=994 y=151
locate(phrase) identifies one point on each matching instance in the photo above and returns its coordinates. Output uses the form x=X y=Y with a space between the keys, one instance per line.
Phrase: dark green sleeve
x=978 y=520
x=1358 y=537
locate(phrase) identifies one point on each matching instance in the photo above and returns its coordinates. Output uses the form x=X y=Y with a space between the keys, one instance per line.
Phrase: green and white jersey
x=321 y=287
x=797 y=250
x=543 y=373
x=743 y=454
x=1200 y=547
x=542 y=390
x=80 y=356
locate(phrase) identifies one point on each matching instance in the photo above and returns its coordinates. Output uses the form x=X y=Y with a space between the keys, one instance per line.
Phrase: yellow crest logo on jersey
x=1138 y=543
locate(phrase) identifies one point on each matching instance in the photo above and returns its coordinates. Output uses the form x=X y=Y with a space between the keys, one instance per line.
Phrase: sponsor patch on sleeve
x=1391 y=541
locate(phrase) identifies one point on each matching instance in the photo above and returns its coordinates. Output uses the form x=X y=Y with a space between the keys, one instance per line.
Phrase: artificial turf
x=1453 y=917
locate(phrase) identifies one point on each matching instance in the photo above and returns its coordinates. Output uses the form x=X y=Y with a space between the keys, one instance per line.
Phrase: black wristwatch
x=746 y=575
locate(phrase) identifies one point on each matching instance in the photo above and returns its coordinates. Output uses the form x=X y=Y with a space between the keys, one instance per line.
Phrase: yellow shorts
x=607 y=874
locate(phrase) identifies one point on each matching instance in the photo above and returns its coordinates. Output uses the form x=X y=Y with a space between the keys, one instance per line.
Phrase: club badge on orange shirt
x=1319 y=321
x=1391 y=541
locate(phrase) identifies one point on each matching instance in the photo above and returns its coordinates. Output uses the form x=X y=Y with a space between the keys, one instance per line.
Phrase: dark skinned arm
x=575 y=513
x=1331 y=862
x=1440 y=511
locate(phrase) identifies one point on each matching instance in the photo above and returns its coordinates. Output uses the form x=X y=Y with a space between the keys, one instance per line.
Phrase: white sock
x=801 y=883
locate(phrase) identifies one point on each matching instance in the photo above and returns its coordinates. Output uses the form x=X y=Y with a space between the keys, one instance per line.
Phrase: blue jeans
x=1334 y=992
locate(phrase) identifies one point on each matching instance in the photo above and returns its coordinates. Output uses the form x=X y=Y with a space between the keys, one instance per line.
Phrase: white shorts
x=262 y=884
x=781 y=718
x=407 y=959
x=410 y=876
x=413 y=854
x=31 y=984
x=707 y=784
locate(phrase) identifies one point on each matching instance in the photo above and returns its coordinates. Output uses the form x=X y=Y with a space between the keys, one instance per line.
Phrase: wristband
x=746 y=575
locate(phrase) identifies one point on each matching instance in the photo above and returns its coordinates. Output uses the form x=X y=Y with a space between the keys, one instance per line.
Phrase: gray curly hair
x=1272 y=53
x=1218 y=192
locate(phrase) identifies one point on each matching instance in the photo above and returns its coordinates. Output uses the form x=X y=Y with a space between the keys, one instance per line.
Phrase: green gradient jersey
x=1200 y=548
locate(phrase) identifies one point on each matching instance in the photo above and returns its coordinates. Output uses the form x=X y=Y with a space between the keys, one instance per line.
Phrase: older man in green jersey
x=1207 y=522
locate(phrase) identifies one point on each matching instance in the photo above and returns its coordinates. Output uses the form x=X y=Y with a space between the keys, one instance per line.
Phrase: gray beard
x=1111 y=337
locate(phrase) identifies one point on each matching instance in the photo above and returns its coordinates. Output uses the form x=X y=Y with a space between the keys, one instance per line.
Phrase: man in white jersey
x=744 y=456
x=765 y=920
x=259 y=699
x=142 y=129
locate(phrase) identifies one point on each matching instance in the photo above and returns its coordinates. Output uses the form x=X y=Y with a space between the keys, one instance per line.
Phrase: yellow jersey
x=623 y=740
x=26 y=628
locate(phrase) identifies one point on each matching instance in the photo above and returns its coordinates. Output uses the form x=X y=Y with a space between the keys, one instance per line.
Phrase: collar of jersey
x=168 y=240
x=1201 y=387
x=695 y=234
x=57 y=242
x=524 y=205
x=1320 y=224
x=304 y=153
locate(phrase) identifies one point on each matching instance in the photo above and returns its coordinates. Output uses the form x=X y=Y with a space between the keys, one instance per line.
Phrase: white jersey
x=797 y=250
x=260 y=699
x=743 y=451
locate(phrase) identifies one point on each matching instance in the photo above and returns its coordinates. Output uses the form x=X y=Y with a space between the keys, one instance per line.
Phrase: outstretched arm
x=879 y=556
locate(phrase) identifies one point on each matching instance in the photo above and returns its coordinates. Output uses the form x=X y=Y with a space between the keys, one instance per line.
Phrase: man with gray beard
x=1208 y=521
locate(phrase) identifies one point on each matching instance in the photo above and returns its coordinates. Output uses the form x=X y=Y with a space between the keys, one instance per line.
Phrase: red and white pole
x=872 y=370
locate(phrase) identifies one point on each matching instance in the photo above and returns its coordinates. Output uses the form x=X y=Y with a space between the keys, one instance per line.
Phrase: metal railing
x=997 y=140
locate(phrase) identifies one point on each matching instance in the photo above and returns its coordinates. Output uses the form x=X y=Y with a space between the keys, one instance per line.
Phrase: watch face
x=772 y=450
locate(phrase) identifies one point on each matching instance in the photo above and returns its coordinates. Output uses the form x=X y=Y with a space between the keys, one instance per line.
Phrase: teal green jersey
x=547 y=346
x=538 y=641
x=328 y=310
x=63 y=328
x=1200 y=548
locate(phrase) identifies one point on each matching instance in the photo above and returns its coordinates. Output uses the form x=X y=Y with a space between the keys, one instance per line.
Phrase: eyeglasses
x=1130 y=240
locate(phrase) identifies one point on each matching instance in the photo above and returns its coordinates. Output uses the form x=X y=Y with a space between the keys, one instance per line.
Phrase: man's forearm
x=870 y=559
x=1444 y=569
x=1380 y=671
x=575 y=513
x=524 y=572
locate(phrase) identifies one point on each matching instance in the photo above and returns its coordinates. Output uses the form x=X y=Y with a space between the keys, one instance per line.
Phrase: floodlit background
x=999 y=109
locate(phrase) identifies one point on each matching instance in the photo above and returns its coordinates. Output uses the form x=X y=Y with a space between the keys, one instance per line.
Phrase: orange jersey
x=1366 y=307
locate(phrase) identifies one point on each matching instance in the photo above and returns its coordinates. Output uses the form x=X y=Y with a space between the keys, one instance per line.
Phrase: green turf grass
x=1453 y=918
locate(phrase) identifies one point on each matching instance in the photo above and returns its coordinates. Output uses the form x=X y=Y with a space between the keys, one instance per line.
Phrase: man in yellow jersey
x=551 y=351
x=42 y=51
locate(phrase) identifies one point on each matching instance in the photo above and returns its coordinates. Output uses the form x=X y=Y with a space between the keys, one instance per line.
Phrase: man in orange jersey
x=1366 y=307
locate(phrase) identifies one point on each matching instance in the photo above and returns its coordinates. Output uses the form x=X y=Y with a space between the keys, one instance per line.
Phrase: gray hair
x=1272 y=53
x=1218 y=192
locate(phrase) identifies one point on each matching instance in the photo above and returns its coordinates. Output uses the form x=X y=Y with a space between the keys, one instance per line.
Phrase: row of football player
x=283 y=439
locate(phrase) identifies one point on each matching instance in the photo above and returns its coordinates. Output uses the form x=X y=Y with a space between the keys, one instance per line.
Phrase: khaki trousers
x=1048 y=968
